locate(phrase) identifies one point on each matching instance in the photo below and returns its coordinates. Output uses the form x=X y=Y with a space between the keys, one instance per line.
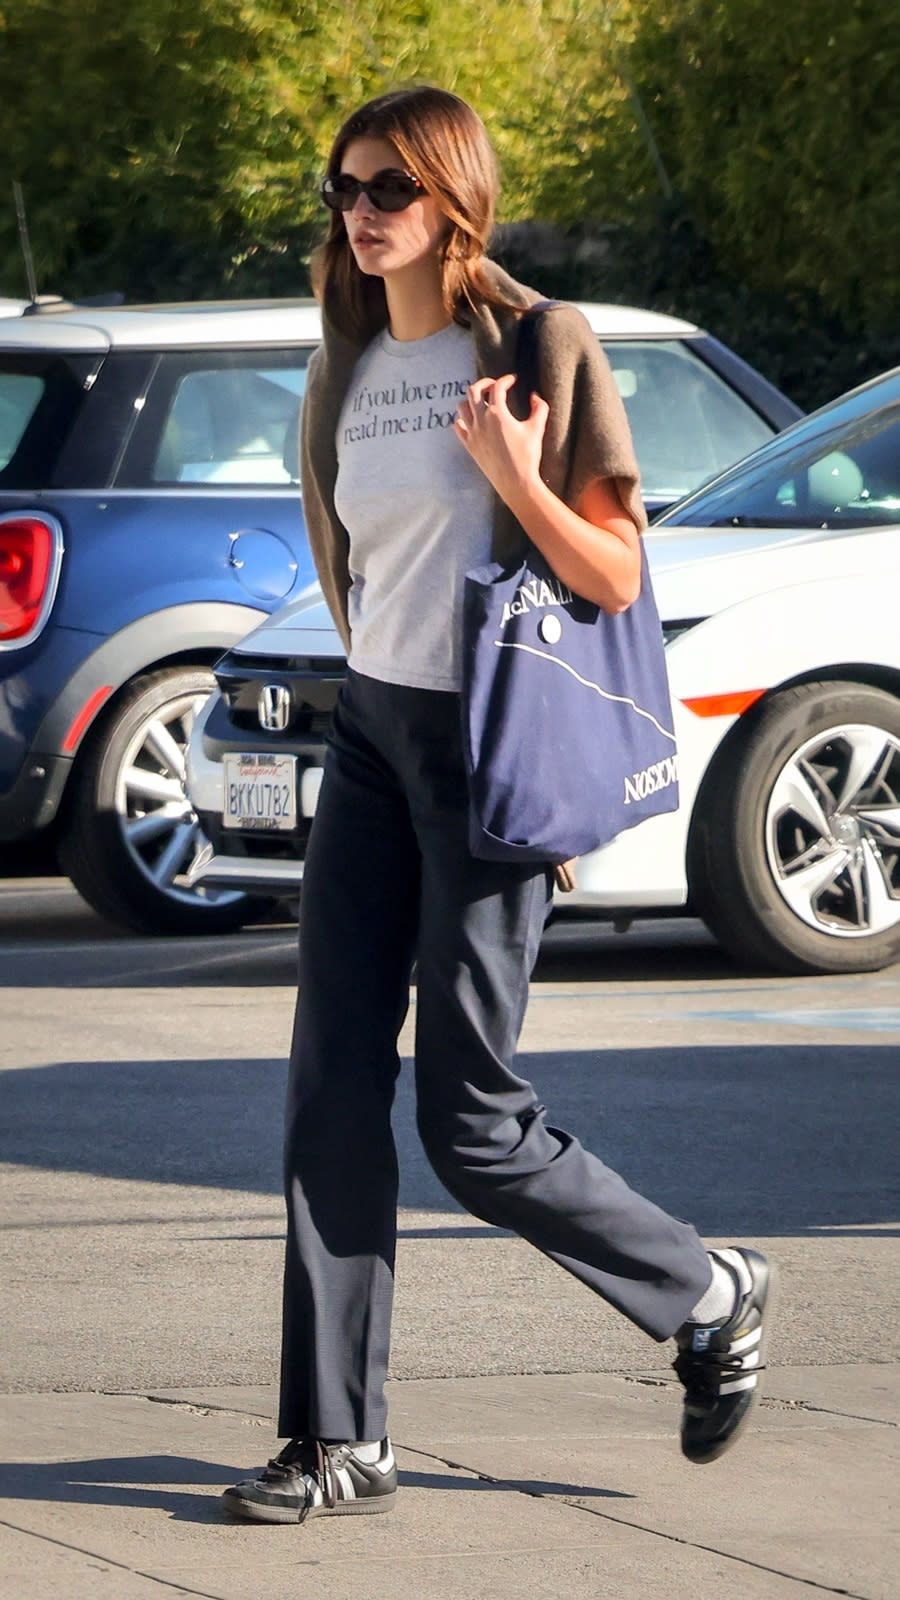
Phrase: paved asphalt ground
x=140 y=1244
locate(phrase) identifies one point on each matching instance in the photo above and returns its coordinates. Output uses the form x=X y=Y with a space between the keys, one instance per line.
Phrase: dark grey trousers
x=388 y=879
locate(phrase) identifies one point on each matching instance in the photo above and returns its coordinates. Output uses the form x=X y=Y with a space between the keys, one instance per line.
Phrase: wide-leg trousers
x=389 y=880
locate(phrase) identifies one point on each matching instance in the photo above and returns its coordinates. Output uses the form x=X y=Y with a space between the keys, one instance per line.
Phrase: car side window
x=219 y=418
x=19 y=396
x=42 y=394
x=686 y=423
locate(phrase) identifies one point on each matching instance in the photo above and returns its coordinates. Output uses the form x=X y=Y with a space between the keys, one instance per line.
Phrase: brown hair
x=442 y=142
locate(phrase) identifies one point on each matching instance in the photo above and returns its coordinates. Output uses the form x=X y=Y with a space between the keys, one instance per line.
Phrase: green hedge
x=664 y=263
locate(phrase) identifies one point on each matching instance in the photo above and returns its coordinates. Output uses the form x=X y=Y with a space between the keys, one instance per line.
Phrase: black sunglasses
x=390 y=190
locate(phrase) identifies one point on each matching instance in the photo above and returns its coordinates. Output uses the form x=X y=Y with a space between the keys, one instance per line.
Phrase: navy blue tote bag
x=567 y=720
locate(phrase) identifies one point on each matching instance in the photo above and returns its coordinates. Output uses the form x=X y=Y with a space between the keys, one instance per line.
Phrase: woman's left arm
x=595 y=548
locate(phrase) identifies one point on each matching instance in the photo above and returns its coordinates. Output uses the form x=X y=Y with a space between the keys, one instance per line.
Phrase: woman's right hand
x=507 y=450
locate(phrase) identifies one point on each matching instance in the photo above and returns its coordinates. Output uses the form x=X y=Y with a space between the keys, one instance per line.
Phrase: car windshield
x=686 y=422
x=39 y=398
x=840 y=469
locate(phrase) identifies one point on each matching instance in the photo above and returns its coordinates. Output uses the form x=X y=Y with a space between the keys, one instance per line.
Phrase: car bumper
x=33 y=801
x=257 y=862
x=252 y=874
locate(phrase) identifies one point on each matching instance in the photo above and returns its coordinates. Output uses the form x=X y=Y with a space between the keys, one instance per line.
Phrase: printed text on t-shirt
x=370 y=406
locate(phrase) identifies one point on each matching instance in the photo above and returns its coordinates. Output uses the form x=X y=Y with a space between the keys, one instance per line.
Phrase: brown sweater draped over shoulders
x=587 y=435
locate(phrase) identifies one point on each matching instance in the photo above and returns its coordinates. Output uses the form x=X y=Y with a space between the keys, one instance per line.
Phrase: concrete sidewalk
x=512 y=1488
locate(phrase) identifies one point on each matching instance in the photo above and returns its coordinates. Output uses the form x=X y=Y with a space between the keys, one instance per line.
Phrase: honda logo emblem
x=273 y=707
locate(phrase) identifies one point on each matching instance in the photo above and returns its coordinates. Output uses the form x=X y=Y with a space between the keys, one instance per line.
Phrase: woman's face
x=388 y=242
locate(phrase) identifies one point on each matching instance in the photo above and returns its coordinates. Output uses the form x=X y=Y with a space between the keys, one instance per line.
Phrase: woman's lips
x=364 y=241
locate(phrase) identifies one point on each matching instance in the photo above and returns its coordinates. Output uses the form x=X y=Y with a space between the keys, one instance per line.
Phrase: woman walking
x=416 y=470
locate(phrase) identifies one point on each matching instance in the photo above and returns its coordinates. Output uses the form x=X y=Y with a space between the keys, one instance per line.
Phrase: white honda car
x=778 y=585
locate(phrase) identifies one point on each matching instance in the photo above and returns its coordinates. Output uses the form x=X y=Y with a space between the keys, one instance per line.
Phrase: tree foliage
x=143 y=137
x=779 y=127
x=171 y=148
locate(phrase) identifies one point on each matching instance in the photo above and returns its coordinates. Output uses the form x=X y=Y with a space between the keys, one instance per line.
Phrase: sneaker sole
x=253 y=1511
x=773 y=1295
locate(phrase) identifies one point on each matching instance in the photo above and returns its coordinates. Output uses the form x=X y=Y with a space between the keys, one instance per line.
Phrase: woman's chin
x=367 y=263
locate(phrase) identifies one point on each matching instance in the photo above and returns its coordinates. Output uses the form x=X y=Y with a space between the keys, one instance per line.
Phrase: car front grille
x=312 y=685
x=244 y=714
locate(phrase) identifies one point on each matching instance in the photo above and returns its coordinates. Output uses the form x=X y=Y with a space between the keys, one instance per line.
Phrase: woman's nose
x=362 y=200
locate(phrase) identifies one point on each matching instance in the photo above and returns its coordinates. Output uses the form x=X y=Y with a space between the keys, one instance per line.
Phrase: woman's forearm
x=595 y=550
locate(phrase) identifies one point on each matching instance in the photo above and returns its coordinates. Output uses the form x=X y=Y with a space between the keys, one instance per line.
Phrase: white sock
x=720 y=1299
x=368 y=1451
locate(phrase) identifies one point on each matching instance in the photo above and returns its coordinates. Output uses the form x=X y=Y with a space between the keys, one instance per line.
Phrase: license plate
x=260 y=792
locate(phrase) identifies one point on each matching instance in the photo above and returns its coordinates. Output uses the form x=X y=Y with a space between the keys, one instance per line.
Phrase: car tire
x=794 y=850
x=128 y=833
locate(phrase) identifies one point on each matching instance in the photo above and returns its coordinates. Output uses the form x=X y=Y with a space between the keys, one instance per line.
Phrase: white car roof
x=627 y=322
x=263 y=322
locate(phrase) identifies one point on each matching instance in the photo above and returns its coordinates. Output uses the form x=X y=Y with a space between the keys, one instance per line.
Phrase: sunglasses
x=389 y=190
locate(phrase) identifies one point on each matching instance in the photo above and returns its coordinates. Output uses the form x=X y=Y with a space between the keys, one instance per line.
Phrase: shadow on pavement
x=741 y=1139
x=140 y=1481
x=121 y=1481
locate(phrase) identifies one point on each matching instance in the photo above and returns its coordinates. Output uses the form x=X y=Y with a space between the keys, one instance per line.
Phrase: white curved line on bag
x=503 y=644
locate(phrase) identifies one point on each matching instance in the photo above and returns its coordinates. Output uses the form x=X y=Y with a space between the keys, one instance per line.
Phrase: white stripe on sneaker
x=733 y=1385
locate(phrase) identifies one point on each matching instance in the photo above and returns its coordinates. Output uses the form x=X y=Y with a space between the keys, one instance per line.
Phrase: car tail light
x=30 y=555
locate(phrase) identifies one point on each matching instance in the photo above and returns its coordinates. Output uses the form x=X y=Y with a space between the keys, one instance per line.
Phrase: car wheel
x=129 y=834
x=794 y=854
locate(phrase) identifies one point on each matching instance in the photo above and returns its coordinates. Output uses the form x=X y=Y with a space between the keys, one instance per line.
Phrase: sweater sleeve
x=328 y=539
x=587 y=430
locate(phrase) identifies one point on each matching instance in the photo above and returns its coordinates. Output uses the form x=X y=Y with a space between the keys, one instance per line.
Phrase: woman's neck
x=415 y=303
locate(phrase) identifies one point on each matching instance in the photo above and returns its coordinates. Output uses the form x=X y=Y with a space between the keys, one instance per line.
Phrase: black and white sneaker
x=311 y=1479
x=720 y=1365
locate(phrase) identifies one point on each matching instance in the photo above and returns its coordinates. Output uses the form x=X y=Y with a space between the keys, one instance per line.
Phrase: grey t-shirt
x=417 y=508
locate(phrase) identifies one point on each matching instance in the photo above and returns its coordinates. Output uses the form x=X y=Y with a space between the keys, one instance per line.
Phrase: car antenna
x=43 y=302
x=25 y=241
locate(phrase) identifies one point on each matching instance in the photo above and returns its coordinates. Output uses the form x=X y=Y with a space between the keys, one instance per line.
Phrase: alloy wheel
x=158 y=823
x=832 y=831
